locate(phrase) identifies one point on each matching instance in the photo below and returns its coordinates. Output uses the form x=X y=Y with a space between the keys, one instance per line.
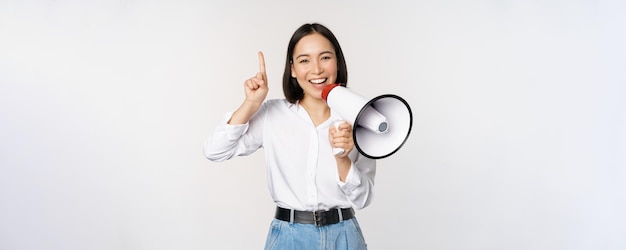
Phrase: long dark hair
x=292 y=90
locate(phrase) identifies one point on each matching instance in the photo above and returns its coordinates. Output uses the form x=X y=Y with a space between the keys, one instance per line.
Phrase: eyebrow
x=323 y=52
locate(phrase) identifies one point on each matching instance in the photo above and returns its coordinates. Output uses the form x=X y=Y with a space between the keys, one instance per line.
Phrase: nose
x=317 y=67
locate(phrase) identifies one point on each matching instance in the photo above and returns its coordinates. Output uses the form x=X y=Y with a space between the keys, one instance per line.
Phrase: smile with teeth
x=318 y=81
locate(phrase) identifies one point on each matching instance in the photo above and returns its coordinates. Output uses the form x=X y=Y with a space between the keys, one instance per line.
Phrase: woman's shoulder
x=277 y=106
x=277 y=103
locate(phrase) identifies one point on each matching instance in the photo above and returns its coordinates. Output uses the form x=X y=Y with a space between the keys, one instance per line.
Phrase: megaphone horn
x=380 y=126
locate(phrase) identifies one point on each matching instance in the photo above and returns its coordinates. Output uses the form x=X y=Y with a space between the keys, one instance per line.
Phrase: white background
x=518 y=140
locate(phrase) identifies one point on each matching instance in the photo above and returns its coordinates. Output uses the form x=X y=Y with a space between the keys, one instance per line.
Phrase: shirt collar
x=296 y=107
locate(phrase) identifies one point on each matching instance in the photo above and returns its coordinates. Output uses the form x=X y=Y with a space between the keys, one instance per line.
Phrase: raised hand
x=256 y=87
x=256 y=91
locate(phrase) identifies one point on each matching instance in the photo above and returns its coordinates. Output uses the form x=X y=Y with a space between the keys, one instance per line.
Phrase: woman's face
x=314 y=64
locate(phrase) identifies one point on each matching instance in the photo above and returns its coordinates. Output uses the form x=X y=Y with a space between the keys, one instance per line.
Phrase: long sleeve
x=359 y=184
x=228 y=141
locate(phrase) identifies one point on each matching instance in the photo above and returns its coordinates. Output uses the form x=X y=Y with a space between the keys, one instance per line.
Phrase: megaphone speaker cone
x=381 y=125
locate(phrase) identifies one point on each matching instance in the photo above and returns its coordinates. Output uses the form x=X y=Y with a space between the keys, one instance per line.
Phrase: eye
x=326 y=58
x=303 y=61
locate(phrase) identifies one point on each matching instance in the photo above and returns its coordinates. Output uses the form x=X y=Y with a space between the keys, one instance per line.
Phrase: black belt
x=319 y=218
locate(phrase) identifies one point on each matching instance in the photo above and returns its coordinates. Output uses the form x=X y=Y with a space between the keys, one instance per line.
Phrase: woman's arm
x=228 y=139
x=356 y=174
x=256 y=90
x=359 y=183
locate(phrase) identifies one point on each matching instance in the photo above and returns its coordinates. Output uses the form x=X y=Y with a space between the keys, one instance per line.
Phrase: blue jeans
x=343 y=235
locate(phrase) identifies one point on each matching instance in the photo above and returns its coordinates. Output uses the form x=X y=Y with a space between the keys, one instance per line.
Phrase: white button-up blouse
x=301 y=168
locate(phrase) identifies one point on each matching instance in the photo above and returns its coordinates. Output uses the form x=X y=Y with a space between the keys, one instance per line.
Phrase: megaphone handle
x=337 y=151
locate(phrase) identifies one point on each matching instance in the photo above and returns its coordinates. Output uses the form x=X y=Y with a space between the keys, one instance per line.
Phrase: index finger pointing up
x=261 y=63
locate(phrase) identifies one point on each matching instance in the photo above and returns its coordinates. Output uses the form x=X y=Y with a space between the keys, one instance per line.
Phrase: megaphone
x=380 y=125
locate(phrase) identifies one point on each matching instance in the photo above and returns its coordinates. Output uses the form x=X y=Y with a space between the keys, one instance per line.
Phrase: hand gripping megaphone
x=380 y=125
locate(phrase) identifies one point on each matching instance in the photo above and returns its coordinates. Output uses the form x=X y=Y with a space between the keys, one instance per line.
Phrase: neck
x=317 y=110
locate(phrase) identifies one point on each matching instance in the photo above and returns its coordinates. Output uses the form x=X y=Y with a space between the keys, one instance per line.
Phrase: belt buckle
x=318 y=218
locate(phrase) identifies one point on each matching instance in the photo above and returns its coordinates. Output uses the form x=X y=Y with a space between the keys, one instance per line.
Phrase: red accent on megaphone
x=327 y=89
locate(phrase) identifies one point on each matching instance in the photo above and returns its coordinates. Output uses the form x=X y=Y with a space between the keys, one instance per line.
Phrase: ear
x=293 y=72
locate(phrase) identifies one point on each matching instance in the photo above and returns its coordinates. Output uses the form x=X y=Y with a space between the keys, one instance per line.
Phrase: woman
x=315 y=191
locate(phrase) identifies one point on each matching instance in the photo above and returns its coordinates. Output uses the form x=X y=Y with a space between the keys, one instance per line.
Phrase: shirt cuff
x=232 y=132
x=353 y=180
